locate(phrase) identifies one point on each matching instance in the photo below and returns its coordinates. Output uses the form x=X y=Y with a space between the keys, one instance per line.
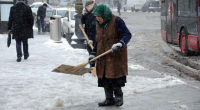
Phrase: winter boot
x=107 y=102
x=19 y=59
x=26 y=57
x=119 y=101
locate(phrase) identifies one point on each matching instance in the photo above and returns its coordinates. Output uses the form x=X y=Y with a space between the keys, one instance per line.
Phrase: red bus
x=180 y=24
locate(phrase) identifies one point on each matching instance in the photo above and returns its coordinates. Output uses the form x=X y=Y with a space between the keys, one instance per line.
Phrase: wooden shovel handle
x=105 y=53
x=85 y=36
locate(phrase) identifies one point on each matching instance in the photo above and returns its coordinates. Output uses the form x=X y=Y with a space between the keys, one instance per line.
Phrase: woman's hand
x=115 y=47
x=90 y=58
x=90 y=42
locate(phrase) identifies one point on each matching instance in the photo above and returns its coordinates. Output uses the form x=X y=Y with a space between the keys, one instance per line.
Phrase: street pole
x=80 y=37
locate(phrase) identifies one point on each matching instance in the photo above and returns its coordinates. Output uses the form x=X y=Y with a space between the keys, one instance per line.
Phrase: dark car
x=151 y=6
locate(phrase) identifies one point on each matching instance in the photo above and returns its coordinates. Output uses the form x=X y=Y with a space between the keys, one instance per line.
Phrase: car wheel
x=184 y=43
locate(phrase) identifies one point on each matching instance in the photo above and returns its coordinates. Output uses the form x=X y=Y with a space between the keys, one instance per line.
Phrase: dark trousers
x=41 y=23
x=19 y=47
x=113 y=90
x=118 y=10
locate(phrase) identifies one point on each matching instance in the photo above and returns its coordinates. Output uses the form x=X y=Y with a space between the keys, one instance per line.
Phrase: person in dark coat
x=21 y=23
x=119 y=7
x=41 y=14
x=111 y=69
x=90 y=24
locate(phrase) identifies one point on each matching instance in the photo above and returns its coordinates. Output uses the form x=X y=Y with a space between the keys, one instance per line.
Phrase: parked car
x=134 y=5
x=61 y=12
x=36 y=5
x=129 y=6
x=151 y=6
x=68 y=26
x=47 y=19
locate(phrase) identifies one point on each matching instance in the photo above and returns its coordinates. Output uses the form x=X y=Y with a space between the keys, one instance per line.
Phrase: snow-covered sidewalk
x=30 y=84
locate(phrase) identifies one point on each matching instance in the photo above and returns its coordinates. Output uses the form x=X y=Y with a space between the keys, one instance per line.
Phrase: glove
x=84 y=12
x=115 y=47
x=90 y=42
x=90 y=58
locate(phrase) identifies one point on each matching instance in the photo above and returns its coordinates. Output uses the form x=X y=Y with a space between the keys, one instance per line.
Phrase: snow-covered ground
x=30 y=84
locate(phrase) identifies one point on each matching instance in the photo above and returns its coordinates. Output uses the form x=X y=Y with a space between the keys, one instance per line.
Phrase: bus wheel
x=184 y=43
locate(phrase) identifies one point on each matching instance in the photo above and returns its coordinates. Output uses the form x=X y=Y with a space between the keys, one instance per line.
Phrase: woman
x=90 y=24
x=112 y=69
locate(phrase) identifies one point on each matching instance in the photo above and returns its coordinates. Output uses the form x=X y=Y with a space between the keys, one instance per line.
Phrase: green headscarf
x=104 y=12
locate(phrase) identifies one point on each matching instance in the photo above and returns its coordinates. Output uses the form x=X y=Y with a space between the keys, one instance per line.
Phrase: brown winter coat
x=114 y=64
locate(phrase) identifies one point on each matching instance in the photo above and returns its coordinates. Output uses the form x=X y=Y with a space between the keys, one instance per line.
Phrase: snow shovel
x=79 y=69
x=86 y=36
x=93 y=69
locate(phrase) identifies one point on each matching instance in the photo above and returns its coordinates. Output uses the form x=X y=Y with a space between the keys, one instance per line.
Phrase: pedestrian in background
x=89 y=20
x=119 y=7
x=21 y=24
x=111 y=69
x=41 y=14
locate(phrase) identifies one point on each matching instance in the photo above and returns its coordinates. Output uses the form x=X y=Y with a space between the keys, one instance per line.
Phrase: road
x=149 y=50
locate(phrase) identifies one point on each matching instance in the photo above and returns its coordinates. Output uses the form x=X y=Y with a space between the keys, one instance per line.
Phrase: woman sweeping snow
x=113 y=68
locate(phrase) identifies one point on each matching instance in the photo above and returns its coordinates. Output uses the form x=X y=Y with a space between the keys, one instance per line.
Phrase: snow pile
x=182 y=107
x=58 y=102
x=136 y=67
x=142 y=84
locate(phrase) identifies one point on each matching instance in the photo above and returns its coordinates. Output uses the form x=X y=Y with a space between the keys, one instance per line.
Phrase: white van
x=134 y=5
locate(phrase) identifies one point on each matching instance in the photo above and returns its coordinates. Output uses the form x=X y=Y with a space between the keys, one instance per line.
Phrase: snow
x=182 y=107
x=73 y=42
x=136 y=67
x=30 y=84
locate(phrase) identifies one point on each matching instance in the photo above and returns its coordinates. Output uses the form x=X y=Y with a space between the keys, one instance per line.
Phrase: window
x=163 y=9
x=48 y=13
x=32 y=6
x=72 y=15
x=193 y=8
x=37 y=6
x=61 y=13
x=67 y=14
x=183 y=7
x=54 y=12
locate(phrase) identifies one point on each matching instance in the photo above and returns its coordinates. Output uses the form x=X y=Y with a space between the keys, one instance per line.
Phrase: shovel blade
x=67 y=70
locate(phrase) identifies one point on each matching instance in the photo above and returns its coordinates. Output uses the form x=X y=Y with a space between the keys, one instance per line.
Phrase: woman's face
x=100 y=19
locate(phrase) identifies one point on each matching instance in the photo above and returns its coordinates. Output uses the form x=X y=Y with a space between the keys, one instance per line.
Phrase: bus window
x=183 y=7
x=193 y=8
x=163 y=9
